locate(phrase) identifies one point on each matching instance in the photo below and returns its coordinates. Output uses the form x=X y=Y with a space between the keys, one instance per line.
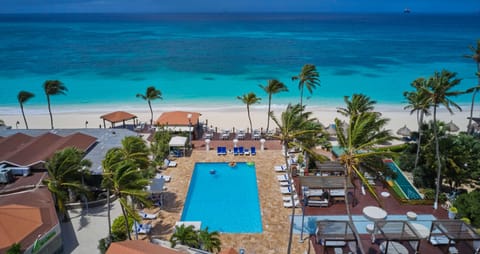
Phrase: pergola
x=395 y=234
x=178 y=142
x=455 y=231
x=325 y=182
x=335 y=234
x=331 y=167
x=118 y=116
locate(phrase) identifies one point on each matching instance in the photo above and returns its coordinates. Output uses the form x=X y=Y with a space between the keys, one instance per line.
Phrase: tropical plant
x=249 y=99
x=151 y=94
x=358 y=104
x=64 y=172
x=53 y=87
x=16 y=248
x=159 y=145
x=309 y=78
x=23 y=97
x=417 y=102
x=468 y=205
x=184 y=235
x=475 y=56
x=209 y=241
x=273 y=87
x=297 y=129
x=438 y=91
x=120 y=228
x=122 y=175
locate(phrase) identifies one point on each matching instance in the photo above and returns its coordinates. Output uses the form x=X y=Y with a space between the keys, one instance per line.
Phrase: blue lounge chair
x=224 y=150
x=219 y=150
x=253 y=150
x=235 y=151
x=240 y=150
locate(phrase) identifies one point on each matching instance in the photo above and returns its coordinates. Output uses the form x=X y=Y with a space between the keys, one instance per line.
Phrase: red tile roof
x=24 y=150
x=138 y=247
x=178 y=118
x=118 y=116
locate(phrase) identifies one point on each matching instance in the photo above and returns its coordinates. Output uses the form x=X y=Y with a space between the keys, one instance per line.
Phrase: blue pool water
x=226 y=201
x=359 y=221
x=406 y=186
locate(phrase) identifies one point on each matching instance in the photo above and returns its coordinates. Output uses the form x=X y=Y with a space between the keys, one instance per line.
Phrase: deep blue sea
x=206 y=60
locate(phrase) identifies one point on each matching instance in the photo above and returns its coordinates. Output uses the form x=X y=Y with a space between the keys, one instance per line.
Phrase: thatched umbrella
x=451 y=127
x=404 y=131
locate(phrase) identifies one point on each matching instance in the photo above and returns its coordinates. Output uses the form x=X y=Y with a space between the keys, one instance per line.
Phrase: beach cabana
x=334 y=185
x=336 y=234
x=454 y=232
x=178 y=143
x=398 y=236
x=118 y=116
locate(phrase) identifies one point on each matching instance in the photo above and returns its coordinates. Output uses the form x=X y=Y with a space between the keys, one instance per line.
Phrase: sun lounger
x=141 y=228
x=286 y=199
x=164 y=177
x=169 y=163
x=241 y=150
x=280 y=168
x=439 y=240
x=288 y=204
x=321 y=203
x=287 y=190
x=147 y=216
x=235 y=151
x=284 y=183
x=283 y=178
x=221 y=150
x=253 y=151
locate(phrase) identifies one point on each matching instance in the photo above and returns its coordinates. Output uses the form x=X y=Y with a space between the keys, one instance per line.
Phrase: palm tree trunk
x=126 y=221
x=419 y=140
x=50 y=111
x=437 y=153
x=469 y=126
x=23 y=114
x=108 y=217
x=269 y=109
x=301 y=96
x=249 y=118
x=151 y=113
x=349 y=213
x=292 y=195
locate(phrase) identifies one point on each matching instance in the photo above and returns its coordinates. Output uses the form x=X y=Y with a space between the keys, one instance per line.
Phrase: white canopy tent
x=178 y=143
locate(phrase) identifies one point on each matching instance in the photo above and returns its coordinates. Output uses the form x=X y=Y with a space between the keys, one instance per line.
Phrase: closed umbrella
x=451 y=127
x=404 y=131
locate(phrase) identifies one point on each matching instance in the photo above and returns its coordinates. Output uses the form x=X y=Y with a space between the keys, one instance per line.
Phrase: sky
x=86 y=6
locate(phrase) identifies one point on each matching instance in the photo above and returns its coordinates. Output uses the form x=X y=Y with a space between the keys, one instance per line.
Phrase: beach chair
x=224 y=150
x=141 y=228
x=288 y=204
x=147 y=216
x=169 y=163
x=235 y=151
x=287 y=190
x=241 y=150
x=219 y=150
x=253 y=151
x=280 y=168
x=283 y=178
x=286 y=199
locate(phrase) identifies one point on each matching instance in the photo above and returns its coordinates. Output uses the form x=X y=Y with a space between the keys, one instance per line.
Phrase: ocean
x=204 y=61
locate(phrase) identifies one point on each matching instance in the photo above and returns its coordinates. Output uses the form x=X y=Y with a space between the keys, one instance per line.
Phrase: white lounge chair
x=147 y=216
x=288 y=204
x=439 y=240
x=164 y=177
x=280 y=168
x=283 y=177
x=141 y=228
x=169 y=163
x=284 y=183
x=286 y=199
x=287 y=190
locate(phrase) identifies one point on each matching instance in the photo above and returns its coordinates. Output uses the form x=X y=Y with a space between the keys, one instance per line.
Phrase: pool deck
x=275 y=218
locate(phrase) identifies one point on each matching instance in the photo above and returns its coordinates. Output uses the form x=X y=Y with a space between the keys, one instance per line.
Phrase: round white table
x=393 y=248
x=421 y=229
x=374 y=213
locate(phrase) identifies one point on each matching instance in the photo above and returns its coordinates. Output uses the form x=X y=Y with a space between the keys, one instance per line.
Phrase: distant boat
x=406 y=10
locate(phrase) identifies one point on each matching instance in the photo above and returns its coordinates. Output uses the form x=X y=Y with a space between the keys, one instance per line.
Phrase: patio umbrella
x=451 y=127
x=404 y=131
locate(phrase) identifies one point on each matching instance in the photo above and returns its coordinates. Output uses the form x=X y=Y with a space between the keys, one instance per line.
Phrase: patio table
x=374 y=213
x=421 y=229
x=393 y=248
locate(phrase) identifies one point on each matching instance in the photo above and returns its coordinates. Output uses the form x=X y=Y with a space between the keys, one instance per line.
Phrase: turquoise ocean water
x=206 y=60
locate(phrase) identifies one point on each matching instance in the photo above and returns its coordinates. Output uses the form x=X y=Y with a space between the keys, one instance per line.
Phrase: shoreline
x=221 y=117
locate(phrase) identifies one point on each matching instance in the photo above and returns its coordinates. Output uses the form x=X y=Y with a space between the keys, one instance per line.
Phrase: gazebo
x=336 y=234
x=118 y=116
x=454 y=232
x=178 y=143
x=397 y=236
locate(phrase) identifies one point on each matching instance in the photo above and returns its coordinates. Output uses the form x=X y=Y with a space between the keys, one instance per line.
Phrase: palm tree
x=417 y=102
x=184 y=235
x=64 y=173
x=296 y=130
x=209 y=241
x=360 y=103
x=438 y=90
x=53 y=87
x=249 y=99
x=121 y=176
x=475 y=56
x=151 y=94
x=24 y=96
x=274 y=86
x=359 y=139
x=309 y=78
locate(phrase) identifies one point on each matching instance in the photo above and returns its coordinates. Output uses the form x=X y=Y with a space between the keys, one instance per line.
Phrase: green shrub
x=14 y=249
x=119 y=232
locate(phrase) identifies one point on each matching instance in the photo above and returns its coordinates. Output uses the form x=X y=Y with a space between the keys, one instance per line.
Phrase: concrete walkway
x=82 y=233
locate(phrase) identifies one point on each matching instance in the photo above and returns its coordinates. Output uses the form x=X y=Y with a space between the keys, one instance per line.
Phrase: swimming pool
x=359 y=221
x=225 y=200
x=406 y=186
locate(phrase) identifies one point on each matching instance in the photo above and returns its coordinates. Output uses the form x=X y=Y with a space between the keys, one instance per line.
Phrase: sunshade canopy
x=177 y=141
x=138 y=247
x=324 y=182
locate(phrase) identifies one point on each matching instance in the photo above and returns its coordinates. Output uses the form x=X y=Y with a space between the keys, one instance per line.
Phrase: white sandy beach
x=228 y=118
